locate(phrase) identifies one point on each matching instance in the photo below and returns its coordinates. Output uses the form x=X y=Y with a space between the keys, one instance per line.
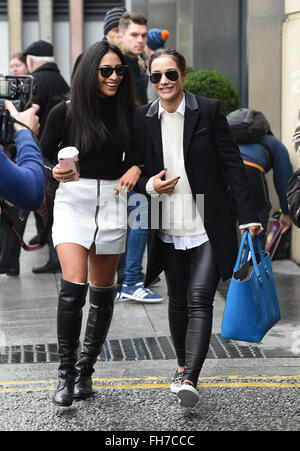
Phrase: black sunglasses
x=171 y=74
x=107 y=71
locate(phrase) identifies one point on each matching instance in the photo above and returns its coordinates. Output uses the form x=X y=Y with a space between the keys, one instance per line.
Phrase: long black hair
x=87 y=107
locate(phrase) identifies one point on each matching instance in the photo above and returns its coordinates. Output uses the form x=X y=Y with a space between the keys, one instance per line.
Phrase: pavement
x=243 y=386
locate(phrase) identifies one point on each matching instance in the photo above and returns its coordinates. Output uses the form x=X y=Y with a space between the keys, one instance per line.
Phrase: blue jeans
x=136 y=241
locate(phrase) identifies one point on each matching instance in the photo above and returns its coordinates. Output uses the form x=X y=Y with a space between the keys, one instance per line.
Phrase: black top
x=103 y=160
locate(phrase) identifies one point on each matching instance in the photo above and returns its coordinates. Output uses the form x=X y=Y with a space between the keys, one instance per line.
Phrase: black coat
x=139 y=79
x=214 y=168
x=51 y=89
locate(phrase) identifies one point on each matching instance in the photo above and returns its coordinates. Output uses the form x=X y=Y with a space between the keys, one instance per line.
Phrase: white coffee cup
x=68 y=158
x=69 y=152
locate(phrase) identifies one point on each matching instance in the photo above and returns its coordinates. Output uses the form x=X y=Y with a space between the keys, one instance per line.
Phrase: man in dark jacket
x=133 y=36
x=51 y=86
x=51 y=89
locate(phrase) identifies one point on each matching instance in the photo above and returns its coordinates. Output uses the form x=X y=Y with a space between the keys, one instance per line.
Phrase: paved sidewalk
x=132 y=375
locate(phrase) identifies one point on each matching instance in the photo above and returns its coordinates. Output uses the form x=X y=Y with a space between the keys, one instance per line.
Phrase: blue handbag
x=252 y=306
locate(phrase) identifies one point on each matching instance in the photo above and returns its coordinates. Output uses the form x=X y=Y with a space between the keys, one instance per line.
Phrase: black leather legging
x=192 y=278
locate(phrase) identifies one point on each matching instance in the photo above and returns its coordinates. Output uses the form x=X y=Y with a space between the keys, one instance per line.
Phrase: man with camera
x=23 y=183
x=51 y=89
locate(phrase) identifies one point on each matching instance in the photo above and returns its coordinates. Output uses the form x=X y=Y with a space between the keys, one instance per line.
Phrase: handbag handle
x=242 y=245
x=247 y=250
x=246 y=238
x=261 y=254
x=256 y=269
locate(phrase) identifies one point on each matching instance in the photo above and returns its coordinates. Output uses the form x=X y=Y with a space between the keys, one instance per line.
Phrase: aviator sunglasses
x=107 y=71
x=171 y=74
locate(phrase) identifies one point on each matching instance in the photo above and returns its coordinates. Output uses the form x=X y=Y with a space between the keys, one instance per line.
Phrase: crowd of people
x=140 y=135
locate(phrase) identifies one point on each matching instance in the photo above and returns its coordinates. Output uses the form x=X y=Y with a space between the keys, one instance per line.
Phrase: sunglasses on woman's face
x=107 y=70
x=171 y=74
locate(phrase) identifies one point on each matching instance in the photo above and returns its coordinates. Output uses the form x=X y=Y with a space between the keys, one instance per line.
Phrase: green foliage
x=213 y=85
x=190 y=69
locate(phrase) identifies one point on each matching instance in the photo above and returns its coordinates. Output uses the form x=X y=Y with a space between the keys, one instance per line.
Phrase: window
x=94 y=9
x=3 y=10
x=30 y=9
x=60 y=9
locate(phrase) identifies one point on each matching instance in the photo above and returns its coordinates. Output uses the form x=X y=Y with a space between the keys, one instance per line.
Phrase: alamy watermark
x=174 y=211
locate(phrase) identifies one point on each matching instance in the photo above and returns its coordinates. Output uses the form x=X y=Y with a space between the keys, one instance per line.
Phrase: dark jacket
x=214 y=168
x=51 y=89
x=271 y=153
x=139 y=78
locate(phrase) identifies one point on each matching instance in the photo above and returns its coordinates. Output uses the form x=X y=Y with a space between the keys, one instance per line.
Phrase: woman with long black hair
x=90 y=220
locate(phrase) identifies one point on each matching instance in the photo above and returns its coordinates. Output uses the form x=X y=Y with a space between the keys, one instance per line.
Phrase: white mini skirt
x=89 y=211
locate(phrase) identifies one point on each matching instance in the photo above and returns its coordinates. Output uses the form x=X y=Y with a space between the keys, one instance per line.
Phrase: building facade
x=252 y=42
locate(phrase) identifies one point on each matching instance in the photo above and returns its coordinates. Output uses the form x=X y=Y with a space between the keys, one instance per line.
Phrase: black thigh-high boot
x=98 y=323
x=69 y=317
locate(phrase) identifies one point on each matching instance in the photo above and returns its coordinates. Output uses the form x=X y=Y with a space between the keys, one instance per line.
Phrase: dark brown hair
x=179 y=59
x=127 y=18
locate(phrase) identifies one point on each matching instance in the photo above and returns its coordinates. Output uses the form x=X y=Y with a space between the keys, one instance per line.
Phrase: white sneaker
x=177 y=382
x=188 y=395
x=138 y=292
x=119 y=297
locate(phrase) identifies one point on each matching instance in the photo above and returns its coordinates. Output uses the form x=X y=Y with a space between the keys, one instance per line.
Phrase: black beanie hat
x=112 y=18
x=39 y=48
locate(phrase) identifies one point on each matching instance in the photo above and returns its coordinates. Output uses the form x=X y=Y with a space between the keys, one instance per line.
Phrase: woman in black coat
x=195 y=179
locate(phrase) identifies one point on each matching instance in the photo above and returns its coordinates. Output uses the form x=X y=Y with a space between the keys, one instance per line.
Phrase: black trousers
x=10 y=249
x=192 y=279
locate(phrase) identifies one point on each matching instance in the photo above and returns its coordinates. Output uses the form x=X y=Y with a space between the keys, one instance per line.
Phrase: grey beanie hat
x=112 y=18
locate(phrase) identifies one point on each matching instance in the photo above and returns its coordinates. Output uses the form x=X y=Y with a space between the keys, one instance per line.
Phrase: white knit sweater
x=180 y=216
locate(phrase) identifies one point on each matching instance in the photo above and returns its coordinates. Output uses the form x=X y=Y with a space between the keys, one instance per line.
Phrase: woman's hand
x=254 y=230
x=62 y=175
x=164 y=186
x=129 y=179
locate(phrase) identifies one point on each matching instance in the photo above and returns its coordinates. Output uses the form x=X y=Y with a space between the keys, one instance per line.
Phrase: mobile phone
x=69 y=163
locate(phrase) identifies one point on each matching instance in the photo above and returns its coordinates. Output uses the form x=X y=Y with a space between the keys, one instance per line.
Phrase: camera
x=20 y=90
